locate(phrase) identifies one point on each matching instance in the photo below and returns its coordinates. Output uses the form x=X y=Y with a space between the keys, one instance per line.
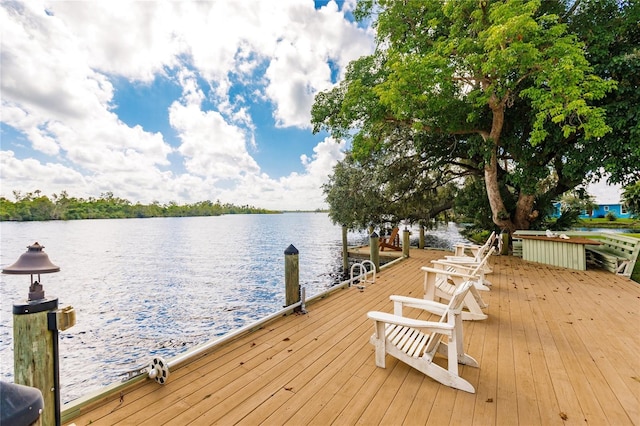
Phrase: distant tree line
x=33 y=206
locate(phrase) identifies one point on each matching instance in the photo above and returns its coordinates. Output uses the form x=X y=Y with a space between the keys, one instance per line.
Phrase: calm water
x=145 y=287
x=608 y=230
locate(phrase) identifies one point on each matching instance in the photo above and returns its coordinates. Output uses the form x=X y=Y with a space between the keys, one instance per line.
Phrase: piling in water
x=291 y=276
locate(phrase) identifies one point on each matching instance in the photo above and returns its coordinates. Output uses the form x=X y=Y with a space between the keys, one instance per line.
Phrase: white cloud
x=27 y=175
x=52 y=95
x=295 y=191
x=133 y=39
x=299 y=67
x=59 y=60
x=211 y=146
x=605 y=193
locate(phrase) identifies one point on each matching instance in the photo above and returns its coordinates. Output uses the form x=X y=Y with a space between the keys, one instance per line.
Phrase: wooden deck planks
x=525 y=332
x=541 y=397
x=559 y=346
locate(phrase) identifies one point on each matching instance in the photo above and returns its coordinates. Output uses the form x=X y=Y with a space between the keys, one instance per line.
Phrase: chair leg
x=474 y=292
x=462 y=357
x=379 y=343
x=472 y=316
x=449 y=376
x=474 y=312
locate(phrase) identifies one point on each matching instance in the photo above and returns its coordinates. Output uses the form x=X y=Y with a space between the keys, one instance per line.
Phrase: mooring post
x=374 y=250
x=505 y=242
x=345 y=251
x=421 y=240
x=34 y=361
x=291 y=276
x=36 y=323
x=405 y=243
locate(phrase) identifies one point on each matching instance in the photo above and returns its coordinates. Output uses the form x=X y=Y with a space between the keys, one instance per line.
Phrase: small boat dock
x=560 y=346
x=364 y=253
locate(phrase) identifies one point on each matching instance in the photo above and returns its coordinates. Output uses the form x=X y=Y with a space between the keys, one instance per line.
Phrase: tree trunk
x=499 y=213
x=524 y=214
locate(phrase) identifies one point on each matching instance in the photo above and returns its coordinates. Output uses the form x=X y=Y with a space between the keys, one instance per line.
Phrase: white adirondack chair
x=440 y=283
x=474 y=273
x=481 y=258
x=461 y=249
x=476 y=270
x=416 y=342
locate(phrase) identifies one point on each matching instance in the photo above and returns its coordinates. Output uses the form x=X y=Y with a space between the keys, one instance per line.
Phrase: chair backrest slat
x=454 y=308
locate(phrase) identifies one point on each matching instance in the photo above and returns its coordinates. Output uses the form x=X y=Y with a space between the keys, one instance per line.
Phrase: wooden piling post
x=505 y=243
x=291 y=276
x=421 y=240
x=374 y=250
x=34 y=362
x=345 y=251
x=405 y=243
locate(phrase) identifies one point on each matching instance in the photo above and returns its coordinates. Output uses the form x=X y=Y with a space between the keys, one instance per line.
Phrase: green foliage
x=387 y=188
x=578 y=200
x=568 y=218
x=354 y=200
x=36 y=207
x=631 y=198
x=471 y=205
x=499 y=89
x=610 y=216
x=610 y=31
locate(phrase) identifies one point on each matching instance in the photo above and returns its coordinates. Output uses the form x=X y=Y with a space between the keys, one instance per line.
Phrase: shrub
x=611 y=216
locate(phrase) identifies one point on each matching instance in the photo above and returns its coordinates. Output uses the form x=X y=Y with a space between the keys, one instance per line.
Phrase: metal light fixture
x=34 y=261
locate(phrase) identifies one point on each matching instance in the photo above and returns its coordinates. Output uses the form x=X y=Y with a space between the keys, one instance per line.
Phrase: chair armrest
x=414 y=302
x=468 y=245
x=445 y=272
x=462 y=259
x=409 y=322
x=454 y=265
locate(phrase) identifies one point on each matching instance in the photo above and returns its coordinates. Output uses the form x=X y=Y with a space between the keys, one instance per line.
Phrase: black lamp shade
x=34 y=261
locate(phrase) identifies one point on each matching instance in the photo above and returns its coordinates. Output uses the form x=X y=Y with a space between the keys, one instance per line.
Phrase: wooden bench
x=617 y=254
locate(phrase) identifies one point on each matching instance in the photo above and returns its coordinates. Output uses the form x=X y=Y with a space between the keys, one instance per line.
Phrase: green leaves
x=470 y=84
x=631 y=198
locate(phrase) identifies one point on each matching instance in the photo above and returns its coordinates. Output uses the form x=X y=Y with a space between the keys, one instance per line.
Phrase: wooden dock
x=559 y=347
x=364 y=253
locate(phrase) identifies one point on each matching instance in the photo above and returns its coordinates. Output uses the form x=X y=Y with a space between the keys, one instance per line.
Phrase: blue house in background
x=618 y=210
x=608 y=200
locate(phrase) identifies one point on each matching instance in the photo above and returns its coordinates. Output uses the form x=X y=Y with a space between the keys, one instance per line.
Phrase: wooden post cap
x=291 y=250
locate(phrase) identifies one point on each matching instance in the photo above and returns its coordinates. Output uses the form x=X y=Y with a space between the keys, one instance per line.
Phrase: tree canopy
x=498 y=91
x=631 y=196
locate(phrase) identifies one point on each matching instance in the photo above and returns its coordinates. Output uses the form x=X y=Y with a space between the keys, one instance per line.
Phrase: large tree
x=611 y=33
x=499 y=89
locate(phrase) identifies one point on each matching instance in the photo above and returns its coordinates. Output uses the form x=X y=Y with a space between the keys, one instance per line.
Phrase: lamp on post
x=35 y=332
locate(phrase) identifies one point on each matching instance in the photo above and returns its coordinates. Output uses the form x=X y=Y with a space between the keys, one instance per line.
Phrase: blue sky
x=172 y=101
